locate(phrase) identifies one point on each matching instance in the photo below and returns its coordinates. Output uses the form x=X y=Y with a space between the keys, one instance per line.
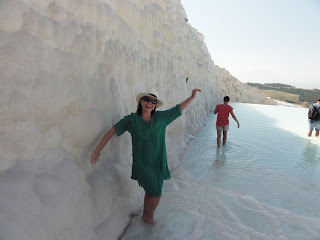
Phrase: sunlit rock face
x=70 y=69
x=237 y=91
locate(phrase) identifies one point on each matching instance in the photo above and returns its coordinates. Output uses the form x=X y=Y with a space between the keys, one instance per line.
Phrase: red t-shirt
x=223 y=114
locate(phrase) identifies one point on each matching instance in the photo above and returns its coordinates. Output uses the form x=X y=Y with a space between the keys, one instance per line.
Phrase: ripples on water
x=264 y=184
x=269 y=158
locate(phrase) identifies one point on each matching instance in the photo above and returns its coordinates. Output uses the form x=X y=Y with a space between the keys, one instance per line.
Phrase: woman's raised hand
x=194 y=92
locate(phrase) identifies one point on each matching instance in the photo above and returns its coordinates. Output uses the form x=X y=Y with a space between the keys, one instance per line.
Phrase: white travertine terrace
x=70 y=69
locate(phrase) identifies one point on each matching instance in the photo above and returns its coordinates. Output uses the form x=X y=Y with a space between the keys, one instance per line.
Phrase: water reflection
x=310 y=156
x=220 y=158
x=262 y=160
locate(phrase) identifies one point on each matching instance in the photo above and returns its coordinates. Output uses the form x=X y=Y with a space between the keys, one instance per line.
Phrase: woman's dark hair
x=139 y=110
x=226 y=99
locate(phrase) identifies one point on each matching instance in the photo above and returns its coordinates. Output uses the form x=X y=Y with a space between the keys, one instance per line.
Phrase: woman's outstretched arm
x=96 y=153
x=235 y=118
x=185 y=103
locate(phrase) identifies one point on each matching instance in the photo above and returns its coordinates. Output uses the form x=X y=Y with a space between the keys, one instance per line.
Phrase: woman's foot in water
x=149 y=220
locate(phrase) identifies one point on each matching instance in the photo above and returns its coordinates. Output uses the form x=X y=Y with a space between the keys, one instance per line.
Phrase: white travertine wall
x=70 y=69
x=237 y=91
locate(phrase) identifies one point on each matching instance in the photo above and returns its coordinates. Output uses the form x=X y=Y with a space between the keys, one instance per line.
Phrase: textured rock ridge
x=69 y=71
x=238 y=91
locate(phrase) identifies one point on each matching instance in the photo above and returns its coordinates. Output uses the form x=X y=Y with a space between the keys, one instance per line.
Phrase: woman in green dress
x=147 y=128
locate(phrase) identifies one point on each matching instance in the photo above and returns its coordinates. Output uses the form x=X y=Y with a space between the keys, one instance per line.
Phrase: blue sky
x=264 y=41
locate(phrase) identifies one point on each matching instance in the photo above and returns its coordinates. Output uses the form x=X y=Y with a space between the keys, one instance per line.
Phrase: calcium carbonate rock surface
x=70 y=69
x=237 y=91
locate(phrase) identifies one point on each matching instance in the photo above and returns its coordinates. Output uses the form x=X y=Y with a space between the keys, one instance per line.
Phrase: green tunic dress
x=149 y=166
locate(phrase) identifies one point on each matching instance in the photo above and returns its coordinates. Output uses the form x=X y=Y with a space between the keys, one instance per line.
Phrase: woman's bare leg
x=150 y=205
x=219 y=137
x=224 y=137
x=309 y=133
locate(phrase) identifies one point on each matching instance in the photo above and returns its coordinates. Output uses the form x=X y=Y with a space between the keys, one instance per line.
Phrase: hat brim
x=141 y=95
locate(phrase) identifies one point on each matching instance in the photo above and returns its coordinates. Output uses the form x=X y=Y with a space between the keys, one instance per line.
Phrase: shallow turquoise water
x=263 y=185
x=269 y=158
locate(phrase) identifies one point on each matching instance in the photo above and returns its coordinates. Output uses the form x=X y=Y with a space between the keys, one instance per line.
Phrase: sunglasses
x=147 y=99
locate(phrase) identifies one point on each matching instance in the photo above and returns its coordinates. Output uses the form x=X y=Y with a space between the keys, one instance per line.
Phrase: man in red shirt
x=223 y=111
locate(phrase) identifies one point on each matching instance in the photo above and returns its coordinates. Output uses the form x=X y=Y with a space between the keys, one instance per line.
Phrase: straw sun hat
x=150 y=93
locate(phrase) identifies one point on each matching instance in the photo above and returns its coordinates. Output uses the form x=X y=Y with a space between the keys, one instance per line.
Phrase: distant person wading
x=314 y=118
x=222 y=124
x=147 y=128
